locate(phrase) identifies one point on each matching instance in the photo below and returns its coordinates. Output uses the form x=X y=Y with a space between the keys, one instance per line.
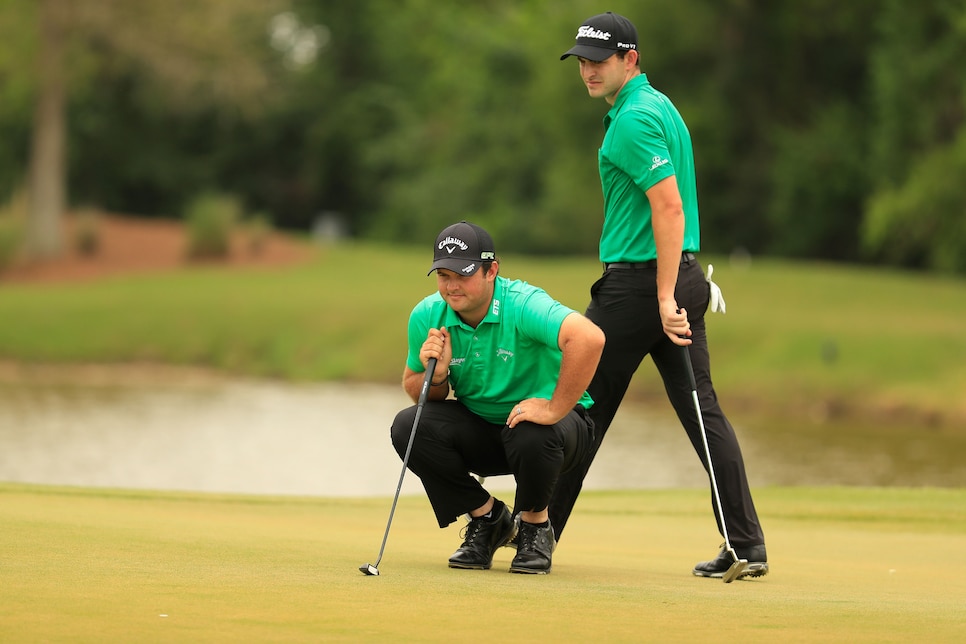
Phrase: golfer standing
x=518 y=364
x=653 y=294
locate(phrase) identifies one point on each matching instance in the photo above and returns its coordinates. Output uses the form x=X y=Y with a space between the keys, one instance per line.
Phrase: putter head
x=736 y=569
x=369 y=570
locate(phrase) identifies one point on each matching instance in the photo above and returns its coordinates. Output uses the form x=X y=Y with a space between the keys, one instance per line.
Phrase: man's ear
x=633 y=57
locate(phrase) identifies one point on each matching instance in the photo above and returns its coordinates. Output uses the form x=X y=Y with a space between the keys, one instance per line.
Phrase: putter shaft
x=739 y=564
x=373 y=569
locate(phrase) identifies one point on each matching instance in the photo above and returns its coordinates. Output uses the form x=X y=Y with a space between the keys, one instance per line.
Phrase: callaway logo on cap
x=600 y=36
x=462 y=248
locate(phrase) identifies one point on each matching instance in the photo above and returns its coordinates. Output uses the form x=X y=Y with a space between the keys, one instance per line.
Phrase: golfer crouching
x=517 y=363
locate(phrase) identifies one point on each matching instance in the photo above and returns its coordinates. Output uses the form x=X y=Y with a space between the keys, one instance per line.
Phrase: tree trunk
x=48 y=149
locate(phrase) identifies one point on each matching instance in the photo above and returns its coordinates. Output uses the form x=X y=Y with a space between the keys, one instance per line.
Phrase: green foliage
x=11 y=240
x=20 y=41
x=211 y=218
x=415 y=114
x=923 y=221
x=917 y=85
x=12 y=230
x=16 y=91
x=805 y=222
x=918 y=134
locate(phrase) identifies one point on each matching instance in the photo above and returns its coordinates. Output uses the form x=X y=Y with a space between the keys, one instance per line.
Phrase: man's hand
x=437 y=345
x=675 y=323
x=581 y=342
x=534 y=410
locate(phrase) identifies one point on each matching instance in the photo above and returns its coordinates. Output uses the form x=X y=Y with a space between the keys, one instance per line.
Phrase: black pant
x=624 y=305
x=452 y=443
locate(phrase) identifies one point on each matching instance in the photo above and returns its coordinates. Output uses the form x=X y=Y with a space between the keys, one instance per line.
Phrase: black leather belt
x=651 y=263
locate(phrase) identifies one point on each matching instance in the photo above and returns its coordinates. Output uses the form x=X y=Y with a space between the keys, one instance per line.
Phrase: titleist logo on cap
x=587 y=31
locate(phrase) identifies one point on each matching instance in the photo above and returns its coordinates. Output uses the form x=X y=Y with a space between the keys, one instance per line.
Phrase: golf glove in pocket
x=717 y=299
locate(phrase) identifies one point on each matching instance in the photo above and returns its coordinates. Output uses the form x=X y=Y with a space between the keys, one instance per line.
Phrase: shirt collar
x=493 y=315
x=623 y=96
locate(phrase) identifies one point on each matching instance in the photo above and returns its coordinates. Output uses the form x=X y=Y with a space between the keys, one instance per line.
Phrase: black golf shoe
x=716 y=568
x=535 y=546
x=482 y=538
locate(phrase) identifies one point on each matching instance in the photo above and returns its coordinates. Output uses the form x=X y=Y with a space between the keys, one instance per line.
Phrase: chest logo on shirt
x=504 y=354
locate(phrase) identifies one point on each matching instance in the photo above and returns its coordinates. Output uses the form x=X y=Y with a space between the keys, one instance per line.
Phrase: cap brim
x=461 y=266
x=596 y=54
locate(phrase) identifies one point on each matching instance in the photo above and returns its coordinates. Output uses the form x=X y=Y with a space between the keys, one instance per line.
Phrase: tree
x=201 y=51
x=915 y=216
x=46 y=182
x=921 y=223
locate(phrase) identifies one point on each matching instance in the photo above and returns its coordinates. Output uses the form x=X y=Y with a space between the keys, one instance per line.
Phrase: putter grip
x=689 y=368
x=427 y=381
x=687 y=363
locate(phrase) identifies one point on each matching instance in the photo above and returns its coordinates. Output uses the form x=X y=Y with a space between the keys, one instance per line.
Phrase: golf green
x=847 y=564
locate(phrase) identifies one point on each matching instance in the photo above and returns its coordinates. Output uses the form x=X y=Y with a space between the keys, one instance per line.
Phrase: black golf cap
x=602 y=35
x=462 y=248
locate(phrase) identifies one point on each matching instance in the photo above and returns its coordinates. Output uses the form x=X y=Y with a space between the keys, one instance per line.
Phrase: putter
x=373 y=569
x=739 y=565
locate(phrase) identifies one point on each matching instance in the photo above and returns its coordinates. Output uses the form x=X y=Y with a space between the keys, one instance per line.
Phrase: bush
x=922 y=222
x=258 y=227
x=210 y=220
x=87 y=232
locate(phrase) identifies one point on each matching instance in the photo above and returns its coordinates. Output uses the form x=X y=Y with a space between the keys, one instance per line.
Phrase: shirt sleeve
x=415 y=331
x=542 y=317
x=639 y=148
x=425 y=315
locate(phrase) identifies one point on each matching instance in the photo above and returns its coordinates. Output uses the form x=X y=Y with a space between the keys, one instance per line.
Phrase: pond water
x=262 y=437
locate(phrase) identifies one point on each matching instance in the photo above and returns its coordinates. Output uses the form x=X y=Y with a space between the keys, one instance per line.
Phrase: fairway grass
x=798 y=336
x=847 y=565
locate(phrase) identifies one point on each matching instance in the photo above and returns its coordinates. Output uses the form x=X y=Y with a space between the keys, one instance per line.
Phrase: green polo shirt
x=645 y=141
x=511 y=356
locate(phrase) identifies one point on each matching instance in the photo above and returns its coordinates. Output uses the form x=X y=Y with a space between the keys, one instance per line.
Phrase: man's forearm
x=413 y=386
x=582 y=343
x=667 y=223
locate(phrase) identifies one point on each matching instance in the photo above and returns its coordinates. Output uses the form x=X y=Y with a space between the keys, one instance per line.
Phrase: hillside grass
x=795 y=332
x=847 y=565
